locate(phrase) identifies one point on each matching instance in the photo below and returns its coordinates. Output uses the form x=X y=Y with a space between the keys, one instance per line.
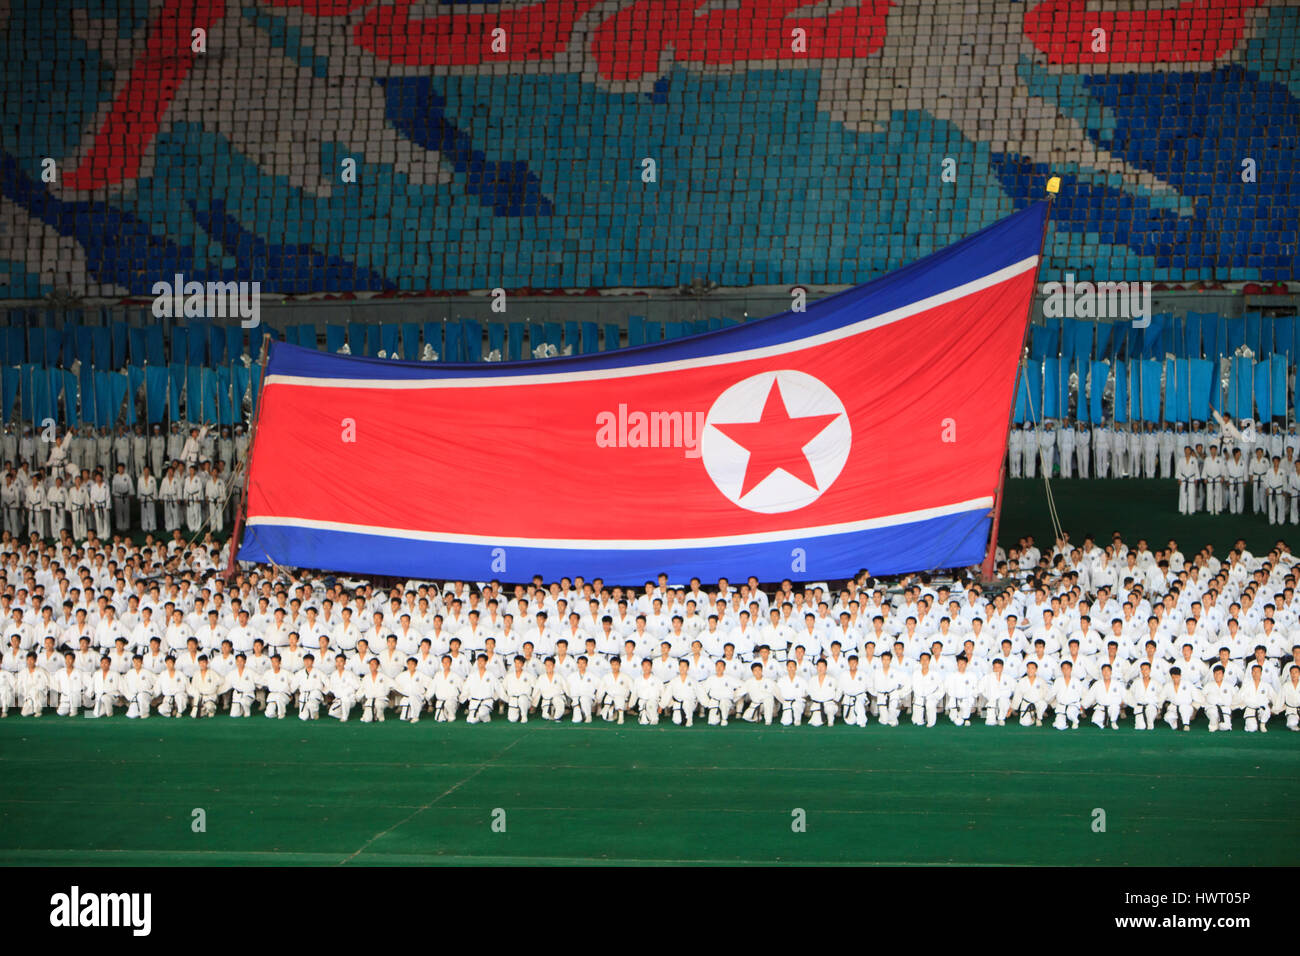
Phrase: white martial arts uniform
x=214 y=491
x=121 y=488
x=374 y=692
x=1145 y=698
x=343 y=688
x=961 y=688
x=614 y=695
x=1235 y=468
x=479 y=693
x=1286 y=704
x=854 y=700
x=56 y=500
x=927 y=696
x=100 y=502
x=241 y=684
x=1030 y=700
x=886 y=689
x=447 y=686
x=71 y=686
x=1275 y=492
x=280 y=687
x=719 y=697
x=205 y=691
x=517 y=690
x=192 y=494
x=1106 y=700
x=1255 y=700
x=549 y=695
x=104 y=689
x=1218 y=699
x=823 y=700
x=169 y=493
x=680 y=699
x=147 y=490
x=1259 y=467
x=312 y=688
x=7 y=691
x=32 y=691
x=648 y=692
x=78 y=503
x=414 y=692
x=36 y=505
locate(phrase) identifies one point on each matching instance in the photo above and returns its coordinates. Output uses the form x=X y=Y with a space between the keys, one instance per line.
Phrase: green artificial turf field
x=114 y=791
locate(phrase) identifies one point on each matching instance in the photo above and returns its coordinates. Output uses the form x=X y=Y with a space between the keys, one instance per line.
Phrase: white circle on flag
x=797 y=447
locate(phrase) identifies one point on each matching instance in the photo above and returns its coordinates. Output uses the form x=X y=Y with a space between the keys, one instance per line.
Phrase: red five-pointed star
x=776 y=441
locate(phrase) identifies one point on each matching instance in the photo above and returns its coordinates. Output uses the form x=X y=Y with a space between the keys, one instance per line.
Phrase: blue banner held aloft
x=590 y=337
x=200 y=334
x=1277 y=378
x=9 y=386
x=42 y=408
x=134 y=383
x=1284 y=336
x=1042 y=342
x=357 y=338
x=1191 y=344
x=1100 y=371
x=71 y=399
x=515 y=341
x=1264 y=390
x=1213 y=335
x=1033 y=391
x=410 y=341
x=1203 y=388
x=433 y=339
x=118 y=343
x=217 y=336
x=1150 y=375
x=157 y=383
x=240 y=383
x=455 y=343
x=1254 y=332
x=1121 y=409
x=554 y=334
x=89 y=407
x=336 y=336
x=1176 y=391
x=194 y=393
x=1051 y=387
x=1153 y=336
x=635 y=330
x=471 y=340
x=176 y=385
x=1241 y=388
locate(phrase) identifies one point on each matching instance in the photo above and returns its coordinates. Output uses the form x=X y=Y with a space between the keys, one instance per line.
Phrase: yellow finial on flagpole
x=1054 y=185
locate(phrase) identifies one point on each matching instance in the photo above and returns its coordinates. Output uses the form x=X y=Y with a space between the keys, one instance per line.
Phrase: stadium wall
x=356 y=145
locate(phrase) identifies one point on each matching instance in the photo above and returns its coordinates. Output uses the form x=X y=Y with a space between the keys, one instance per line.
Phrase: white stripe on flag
x=587 y=544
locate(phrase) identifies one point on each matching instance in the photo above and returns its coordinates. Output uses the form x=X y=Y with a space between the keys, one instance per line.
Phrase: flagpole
x=986 y=571
x=232 y=564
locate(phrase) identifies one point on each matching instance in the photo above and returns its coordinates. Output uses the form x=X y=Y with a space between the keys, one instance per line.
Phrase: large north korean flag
x=867 y=432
